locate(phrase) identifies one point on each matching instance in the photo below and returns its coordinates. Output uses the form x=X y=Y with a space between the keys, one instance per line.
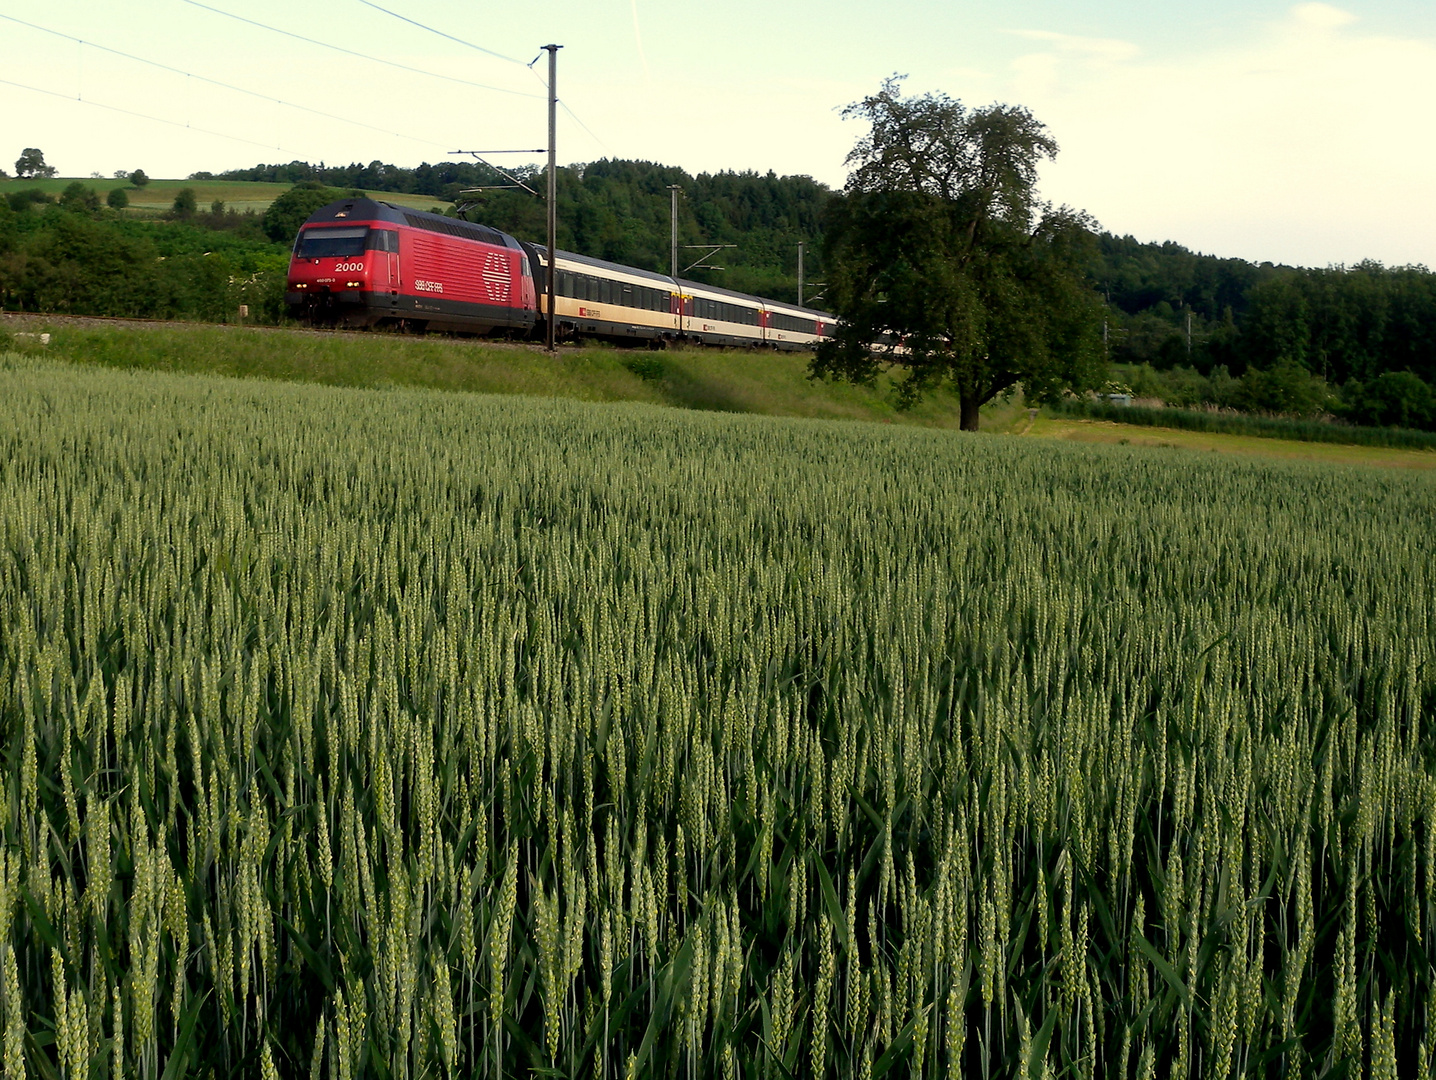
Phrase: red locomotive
x=361 y=262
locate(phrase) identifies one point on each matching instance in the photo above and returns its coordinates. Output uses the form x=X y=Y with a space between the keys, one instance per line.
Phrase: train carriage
x=595 y=298
x=789 y=326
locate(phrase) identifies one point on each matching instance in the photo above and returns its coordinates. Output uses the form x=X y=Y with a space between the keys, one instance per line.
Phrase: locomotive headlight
x=353 y=284
x=301 y=285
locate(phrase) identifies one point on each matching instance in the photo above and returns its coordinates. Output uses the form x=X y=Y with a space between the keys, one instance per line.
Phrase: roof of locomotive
x=366 y=209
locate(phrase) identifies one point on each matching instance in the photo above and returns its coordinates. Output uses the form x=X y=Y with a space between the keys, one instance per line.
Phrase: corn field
x=398 y=734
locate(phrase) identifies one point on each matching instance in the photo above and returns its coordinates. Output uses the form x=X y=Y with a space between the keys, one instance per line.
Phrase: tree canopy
x=288 y=212
x=942 y=263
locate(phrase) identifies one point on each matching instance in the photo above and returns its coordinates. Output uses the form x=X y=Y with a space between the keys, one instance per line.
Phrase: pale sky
x=1298 y=133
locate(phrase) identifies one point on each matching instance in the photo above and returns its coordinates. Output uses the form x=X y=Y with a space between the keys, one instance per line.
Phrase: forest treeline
x=1189 y=329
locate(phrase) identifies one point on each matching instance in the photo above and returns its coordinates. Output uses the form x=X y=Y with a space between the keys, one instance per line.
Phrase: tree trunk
x=968 y=405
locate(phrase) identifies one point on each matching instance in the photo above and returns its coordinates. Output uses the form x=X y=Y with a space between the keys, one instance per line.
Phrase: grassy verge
x=1074 y=429
x=763 y=383
x=1266 y=427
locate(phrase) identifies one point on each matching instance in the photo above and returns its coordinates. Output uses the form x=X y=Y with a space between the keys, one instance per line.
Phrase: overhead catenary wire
x=362 y=56
x=222 y=84
x=490 y=52
x=133 y=112
x=440 y=33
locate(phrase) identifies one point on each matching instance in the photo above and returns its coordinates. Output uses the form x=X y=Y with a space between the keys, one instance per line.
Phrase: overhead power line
x=142 y=116
x=564 y=105
x=219 y=83
x=362 y=56
x=440 y=33
x=585 y=127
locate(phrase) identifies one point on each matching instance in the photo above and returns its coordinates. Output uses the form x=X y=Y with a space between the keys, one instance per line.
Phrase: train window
x=383 y=240
x=328 y=243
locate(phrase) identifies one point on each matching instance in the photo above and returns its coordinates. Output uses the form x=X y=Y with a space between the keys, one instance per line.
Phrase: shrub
x=1397 y=398
x=79 y=197
x=26 y=198
x=184 y=204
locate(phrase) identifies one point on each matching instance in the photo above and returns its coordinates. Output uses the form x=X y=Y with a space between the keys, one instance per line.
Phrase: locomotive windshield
x=321 y=243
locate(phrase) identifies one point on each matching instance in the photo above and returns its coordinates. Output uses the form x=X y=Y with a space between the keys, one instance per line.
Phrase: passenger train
x=362 y=262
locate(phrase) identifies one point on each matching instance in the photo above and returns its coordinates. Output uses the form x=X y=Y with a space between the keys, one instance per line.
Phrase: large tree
x=31 y=163
x=943 y=264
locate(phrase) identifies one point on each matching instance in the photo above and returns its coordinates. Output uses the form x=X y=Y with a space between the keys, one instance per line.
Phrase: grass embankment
x=239 y=195
x=704 y=379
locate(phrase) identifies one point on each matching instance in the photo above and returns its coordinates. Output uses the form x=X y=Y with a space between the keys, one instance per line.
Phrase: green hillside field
x=159 y=195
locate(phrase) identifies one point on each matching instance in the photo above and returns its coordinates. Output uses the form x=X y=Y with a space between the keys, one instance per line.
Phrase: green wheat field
x=398 y=733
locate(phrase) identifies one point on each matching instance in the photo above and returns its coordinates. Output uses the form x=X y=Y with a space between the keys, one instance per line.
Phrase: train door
x=391 y=258
x=682 y=306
